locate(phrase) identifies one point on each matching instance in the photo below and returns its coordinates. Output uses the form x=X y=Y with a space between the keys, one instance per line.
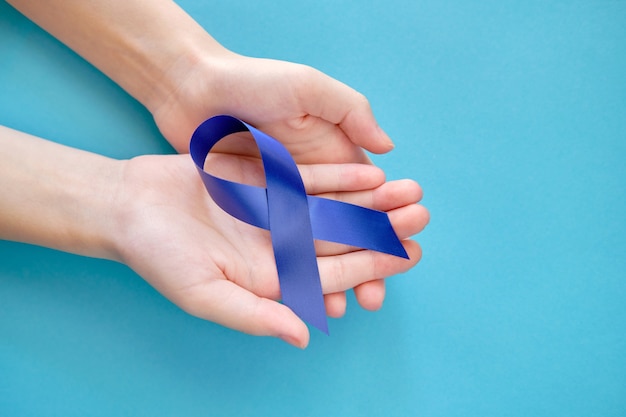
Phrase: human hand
x=220 y=269
x=318 y=118
x=170 y=64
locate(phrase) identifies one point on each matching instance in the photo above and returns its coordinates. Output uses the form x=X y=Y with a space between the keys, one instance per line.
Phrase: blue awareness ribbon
x=293 y=218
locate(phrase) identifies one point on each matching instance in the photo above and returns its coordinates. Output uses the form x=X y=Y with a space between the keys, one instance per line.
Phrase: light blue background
x=511 y=115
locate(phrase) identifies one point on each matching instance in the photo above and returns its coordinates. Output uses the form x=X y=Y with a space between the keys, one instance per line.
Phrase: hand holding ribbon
x=156 y=217
x=293 y=218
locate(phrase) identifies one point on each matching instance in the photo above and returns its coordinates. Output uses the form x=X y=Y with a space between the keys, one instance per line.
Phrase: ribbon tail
x=291 y=234
x=340 y=222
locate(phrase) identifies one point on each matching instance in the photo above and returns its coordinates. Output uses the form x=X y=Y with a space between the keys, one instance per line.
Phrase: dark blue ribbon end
x=313 y=315
x=320 y=324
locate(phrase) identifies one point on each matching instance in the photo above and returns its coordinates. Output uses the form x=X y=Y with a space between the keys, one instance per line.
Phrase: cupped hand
x=319 y=119
x=221 y=269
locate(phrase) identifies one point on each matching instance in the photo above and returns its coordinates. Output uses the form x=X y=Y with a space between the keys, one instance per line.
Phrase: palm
x=221 y=269
x=202 y=241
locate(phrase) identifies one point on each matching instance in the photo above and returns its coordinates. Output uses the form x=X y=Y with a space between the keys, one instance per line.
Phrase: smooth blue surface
x=512 y=116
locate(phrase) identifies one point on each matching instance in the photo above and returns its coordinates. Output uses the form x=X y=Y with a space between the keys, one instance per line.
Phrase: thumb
x=335 y=102
x=230 y=305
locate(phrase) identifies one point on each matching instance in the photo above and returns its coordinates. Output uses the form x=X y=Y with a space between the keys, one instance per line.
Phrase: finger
x=342 y=272
x=317 y=178
x=390 y=195
x=230 y=305
x=371 y=295
x=335 y=304
x=312 y=140
x=406 y=221
x=337 y=103
x=409 y=220
x=325 y=178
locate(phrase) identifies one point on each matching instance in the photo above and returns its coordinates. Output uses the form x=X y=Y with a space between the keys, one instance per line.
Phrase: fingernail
x=292 y=341
x=387 y=138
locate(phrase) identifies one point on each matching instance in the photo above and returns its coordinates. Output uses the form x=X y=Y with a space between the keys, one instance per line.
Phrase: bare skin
x=182 y=80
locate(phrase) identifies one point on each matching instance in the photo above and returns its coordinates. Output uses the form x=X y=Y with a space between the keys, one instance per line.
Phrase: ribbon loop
x=293 y=218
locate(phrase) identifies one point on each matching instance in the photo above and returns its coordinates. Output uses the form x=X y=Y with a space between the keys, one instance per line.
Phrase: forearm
x=56 y=196
x=163 y=58
x=146 y=46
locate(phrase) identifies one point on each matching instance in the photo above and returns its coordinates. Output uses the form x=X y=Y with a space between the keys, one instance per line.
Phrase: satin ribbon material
x=293 y=218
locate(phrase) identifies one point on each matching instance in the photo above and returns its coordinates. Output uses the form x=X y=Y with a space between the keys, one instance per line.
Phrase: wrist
x=96 y=223
x=196 y=92
x=57 y=197
x=148 y=49
x=167 y=70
